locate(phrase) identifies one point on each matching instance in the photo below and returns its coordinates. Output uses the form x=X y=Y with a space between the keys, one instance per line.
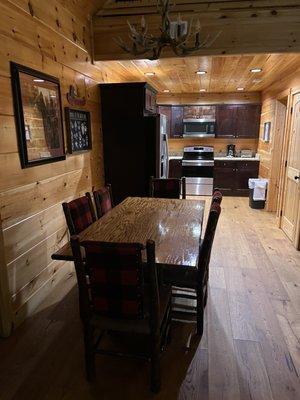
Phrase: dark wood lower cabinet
x=231 y=177
x=175 y=168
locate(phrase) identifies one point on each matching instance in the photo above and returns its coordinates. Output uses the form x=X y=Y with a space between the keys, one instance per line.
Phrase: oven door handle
x=192 y=163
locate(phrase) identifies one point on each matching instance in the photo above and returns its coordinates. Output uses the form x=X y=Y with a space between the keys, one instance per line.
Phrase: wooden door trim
x=5 y=303
x=284 y=155
x=296 y=240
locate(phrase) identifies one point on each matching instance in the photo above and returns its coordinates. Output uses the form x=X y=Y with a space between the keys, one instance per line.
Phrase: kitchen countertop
x=224 y=158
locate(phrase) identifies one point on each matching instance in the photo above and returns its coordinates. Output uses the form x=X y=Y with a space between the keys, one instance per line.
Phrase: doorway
x=290 y=214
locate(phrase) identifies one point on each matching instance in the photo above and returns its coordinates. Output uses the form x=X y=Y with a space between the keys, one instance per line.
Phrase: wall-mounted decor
x=78 y=130
x=267 y=132
x=38 y=114
x=74 y=99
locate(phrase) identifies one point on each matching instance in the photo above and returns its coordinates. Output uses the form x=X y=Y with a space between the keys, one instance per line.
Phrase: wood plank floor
x=250 y=349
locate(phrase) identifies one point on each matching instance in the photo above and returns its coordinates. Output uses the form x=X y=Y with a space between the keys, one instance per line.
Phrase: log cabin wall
x=270 y=152
x=220 y=144
x=56 y=40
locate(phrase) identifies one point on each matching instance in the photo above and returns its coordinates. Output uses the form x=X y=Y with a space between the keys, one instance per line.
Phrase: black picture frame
x=78 y=124
x=51 y=122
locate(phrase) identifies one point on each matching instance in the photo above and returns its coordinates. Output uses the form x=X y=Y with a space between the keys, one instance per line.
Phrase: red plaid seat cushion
x=166 y=188
x=116 y=278
x=81 y=213
x=103 y=201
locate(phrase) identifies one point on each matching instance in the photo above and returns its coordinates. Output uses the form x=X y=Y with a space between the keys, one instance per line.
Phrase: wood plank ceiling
x=223 y=73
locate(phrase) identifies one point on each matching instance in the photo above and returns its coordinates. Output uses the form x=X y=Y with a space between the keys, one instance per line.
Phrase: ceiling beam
x=247 y=27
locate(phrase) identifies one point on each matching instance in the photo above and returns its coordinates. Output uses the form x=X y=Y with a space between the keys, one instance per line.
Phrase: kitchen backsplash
x=220 y=145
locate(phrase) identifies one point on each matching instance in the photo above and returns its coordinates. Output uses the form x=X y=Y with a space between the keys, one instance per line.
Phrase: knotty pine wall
x=56 y=40
x=270 y=153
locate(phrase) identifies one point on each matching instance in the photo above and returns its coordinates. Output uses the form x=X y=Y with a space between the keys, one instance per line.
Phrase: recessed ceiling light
x=166 y=91
x=38 y=80
x=255 y=70
x=257 y=80
x=201 y=72
x=240 y=89
x=202 y=90
x=149 y=73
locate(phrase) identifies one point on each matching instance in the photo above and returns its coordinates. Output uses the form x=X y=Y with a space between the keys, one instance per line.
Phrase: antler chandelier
x=175 y=34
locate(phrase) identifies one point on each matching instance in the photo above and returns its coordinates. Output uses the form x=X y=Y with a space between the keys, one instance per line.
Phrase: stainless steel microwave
x=201 y=127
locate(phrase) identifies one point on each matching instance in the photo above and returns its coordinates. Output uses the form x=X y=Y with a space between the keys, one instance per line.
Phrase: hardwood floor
x=250 y=348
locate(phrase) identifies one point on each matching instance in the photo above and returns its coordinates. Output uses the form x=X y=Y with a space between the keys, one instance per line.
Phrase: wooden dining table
x=175 y=226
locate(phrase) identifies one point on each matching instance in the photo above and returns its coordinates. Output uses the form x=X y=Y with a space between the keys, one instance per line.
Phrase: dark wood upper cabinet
x=247 y=120
x=225 y=121
x=238 y=121
x=194 y=112
x=167 y=111
x=150 y=100
x=176 y=122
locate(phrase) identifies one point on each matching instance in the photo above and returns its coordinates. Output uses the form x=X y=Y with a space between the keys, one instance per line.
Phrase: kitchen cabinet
x=176 y=122
x=231 y=176
x=150 y=100
x=175 y=168
x=167 y=111
x=238 y=121
x=195 y=112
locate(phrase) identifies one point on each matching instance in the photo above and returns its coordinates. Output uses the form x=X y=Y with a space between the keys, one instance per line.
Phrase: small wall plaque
x=78 y=130
x=267 y=131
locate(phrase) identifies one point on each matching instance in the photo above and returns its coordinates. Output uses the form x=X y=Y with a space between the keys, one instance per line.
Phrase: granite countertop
x=224 y=158
x=219 y=158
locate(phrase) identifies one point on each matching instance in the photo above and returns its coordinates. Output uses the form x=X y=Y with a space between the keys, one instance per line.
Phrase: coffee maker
x=230 y=150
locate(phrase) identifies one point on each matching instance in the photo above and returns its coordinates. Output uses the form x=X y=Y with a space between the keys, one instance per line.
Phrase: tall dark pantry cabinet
x=130 y=137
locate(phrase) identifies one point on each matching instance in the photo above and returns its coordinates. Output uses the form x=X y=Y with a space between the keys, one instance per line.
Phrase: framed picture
x=267 y=132
x=38 y=113
x=78 y=130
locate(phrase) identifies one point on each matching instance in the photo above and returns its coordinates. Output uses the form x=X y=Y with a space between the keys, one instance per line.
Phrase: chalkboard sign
x=78 y=130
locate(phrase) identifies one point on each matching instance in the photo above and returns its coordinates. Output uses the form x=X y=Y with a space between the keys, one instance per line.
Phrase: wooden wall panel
x=55 y=40
x=255 y=27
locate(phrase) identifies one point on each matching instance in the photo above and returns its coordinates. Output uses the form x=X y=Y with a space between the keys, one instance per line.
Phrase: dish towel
x=260 y=188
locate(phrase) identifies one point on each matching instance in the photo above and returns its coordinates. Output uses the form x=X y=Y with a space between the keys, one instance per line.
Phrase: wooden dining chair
x=197 y=278
x=79 y=214
x=217 y=196
x=103 y=200
x=113 y=296
x=171 y=188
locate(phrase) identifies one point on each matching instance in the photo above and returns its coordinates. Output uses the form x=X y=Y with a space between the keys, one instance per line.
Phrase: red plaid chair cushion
x=116 y=278
x=166 y=188
x=80 y=213
x=103 y=201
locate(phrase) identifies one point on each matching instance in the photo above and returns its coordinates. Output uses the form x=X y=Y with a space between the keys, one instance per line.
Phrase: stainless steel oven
x=202 y=127
x=198 y=168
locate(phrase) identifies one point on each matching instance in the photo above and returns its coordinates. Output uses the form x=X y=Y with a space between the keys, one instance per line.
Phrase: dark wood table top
x=175 y=226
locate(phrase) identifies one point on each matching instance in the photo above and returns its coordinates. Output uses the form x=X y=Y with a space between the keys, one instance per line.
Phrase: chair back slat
x=166 y=188
x=79 y=214
x=115 y=278
x=207 y=242
x=103 y=200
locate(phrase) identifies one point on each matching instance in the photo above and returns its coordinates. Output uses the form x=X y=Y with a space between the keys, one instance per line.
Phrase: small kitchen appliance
x=230 y=150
